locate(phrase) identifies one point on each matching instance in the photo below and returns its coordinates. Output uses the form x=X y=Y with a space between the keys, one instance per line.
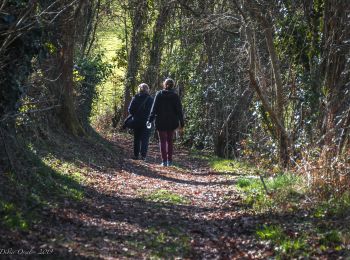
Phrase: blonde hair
x=143 y=88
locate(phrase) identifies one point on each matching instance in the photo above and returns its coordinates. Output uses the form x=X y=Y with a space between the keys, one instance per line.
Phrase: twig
x=29 y=112
x=53 y=80
x=39 y=102
x=4 y=2
x=263 y=182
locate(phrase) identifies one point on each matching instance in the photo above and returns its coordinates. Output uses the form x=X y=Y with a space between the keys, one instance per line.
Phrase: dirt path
x=143 y=210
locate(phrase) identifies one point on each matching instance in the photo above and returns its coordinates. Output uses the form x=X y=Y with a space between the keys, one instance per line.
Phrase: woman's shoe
x=164 y=164
x=170 y=163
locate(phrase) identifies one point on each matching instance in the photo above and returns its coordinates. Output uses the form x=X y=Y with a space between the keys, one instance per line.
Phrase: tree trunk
x=275 y=115
x=219 y=145
x=151 y=76
x=138 y=19
x=279 y=109
x=67 y=111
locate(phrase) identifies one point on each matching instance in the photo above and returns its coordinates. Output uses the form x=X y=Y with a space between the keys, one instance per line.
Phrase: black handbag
x=129 y=122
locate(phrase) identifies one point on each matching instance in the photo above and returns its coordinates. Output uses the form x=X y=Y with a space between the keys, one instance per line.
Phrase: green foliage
x=294 y=247
x=90 y=72
x=332 y=237
x=50 y=47
x=266 y=150
x=109 y=91
x=284 y=190
x=182 y=66
x=16 y=63
x=166 y=196
x=285 y=245
x=242 y=182
x=94 y=69
x=298 y=43
x=193 y=103
x=274 y=233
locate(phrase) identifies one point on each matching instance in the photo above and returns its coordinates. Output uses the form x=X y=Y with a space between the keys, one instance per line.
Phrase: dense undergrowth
x=310 y=225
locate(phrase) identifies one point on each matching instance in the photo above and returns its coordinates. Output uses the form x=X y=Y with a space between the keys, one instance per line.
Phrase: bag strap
x=142 y=105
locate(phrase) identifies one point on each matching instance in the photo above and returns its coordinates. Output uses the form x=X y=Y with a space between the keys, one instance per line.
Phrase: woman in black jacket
x=167 y=113
x=139 y=108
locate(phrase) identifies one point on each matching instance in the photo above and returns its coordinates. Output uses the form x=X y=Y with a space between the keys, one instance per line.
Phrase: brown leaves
x=140 y=210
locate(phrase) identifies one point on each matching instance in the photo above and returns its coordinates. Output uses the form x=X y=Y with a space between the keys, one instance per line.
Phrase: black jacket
x=167 y=111
x=140 y=114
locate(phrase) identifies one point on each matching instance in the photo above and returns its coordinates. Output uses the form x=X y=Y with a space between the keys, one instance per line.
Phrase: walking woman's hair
x=143 y=88
x=169 y=83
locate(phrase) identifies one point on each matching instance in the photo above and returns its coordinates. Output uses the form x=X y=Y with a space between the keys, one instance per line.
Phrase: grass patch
x=68 y=169
x=46 y=181
x=285 y=192
x=61 y=179
x=231 y=166
x=297 y=245
x=165 y=196
x=285 y=246
x=244 y=182
x=42 y=187
x=224 y=165
x=164 y=244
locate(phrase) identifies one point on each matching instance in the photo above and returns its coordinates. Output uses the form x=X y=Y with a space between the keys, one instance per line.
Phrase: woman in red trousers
x=167 y=113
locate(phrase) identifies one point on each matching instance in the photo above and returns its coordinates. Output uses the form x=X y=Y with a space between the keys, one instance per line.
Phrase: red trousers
x=166 y=145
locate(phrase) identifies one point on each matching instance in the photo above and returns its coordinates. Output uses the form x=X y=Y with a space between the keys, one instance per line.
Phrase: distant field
x=109 y=92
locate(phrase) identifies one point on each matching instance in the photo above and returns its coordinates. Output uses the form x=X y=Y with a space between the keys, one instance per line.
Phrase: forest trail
x=136 y=209
x=145 y=210
x=113 y=207
x=199 y=210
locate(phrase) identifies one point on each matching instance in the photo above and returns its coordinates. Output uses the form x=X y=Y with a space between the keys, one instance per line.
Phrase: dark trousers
x=166 y=145
x=141 y=138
